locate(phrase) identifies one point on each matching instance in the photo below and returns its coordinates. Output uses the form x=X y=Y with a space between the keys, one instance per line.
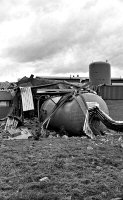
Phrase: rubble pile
x=66 y=108
x=30 y=129
x=10 y=129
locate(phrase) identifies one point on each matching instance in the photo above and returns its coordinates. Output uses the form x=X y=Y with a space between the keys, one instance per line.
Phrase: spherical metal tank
x=70 y=116
x=100 y=73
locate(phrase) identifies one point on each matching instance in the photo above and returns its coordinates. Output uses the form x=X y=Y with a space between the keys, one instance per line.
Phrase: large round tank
x=99 y=73
x=70 y=116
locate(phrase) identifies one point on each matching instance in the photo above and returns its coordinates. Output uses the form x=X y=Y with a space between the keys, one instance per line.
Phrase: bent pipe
x=97 y=113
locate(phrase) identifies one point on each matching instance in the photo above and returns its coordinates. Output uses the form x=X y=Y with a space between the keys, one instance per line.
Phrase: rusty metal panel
x=111 y=92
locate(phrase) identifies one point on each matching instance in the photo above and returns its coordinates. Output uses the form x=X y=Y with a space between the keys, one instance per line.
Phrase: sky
x=59 y=37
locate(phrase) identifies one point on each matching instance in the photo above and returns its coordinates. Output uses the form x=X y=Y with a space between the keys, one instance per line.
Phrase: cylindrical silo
x=100 y=73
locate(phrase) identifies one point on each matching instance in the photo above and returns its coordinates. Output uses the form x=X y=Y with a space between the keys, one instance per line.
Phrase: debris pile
x=12 y=128
x=54 y=109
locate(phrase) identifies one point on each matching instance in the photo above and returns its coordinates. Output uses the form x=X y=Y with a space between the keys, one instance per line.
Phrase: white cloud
x=59 y=37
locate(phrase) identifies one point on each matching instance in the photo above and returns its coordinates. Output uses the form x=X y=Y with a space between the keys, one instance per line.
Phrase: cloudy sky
x=59 y=37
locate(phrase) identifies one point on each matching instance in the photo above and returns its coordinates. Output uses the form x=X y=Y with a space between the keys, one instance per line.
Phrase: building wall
x=111 y=92
x=113 y=96
x=115 y=109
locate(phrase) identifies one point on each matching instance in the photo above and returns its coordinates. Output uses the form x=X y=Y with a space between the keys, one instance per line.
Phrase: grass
x=76 y=168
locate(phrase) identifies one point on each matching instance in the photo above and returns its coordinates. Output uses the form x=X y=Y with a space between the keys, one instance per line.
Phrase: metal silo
x=100 y=73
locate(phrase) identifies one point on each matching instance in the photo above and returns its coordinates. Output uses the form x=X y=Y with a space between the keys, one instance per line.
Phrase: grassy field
x=76 y=169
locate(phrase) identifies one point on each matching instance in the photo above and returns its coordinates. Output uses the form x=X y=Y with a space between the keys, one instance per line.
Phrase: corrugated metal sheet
x=110 y=92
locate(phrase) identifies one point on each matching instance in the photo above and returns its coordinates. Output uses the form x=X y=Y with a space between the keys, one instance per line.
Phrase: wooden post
x=38 y=109
x=39 y=124
x=22 y=114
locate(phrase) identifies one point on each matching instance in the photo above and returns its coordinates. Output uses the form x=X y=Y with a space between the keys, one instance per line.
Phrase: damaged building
x=74 y=108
